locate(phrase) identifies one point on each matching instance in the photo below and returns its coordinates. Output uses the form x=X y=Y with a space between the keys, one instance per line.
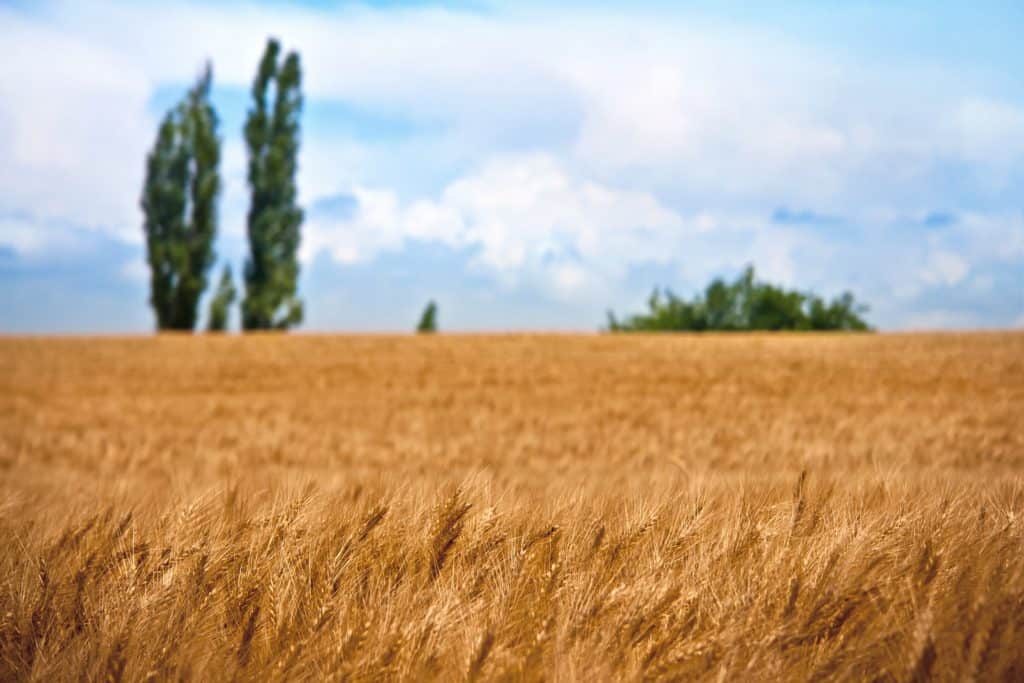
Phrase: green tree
x=428 y=321
x=842 y=313
x=179 y=202
x=220 y=305
x=272 y=136
x=721 y=306
x=744 y=304
x=774 y=308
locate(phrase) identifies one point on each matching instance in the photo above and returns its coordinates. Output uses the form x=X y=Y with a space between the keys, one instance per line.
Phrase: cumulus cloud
x=614 y=140
x=526 y=217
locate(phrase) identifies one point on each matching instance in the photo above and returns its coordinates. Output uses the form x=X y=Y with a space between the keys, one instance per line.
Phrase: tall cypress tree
x=272 y=135
x=179 y=201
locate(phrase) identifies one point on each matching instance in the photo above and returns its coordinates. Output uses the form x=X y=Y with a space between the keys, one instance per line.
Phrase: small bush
x=428 y=321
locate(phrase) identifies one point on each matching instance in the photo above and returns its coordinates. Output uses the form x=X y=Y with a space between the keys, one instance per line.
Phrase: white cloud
x=377 y=226
x=944 y=268
x=527 y=218
x=135 y=270
x=23 y=236
x=646 y=139
x=532 y=223
x=28 y=238
x=994 y=236
x=72 y=129
x=988 y=131
x=718 y=113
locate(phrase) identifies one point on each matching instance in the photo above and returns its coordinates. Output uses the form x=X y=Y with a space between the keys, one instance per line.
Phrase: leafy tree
x=666 y=312
x=721 y=304
x=774 y=308
x=179 y=201
x=744 y=304
x=272 y=136
x=843 y=313
x=428 y=321
x=220 y=305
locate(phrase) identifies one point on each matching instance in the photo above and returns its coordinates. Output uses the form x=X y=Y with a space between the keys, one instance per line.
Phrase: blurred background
x=528 y=166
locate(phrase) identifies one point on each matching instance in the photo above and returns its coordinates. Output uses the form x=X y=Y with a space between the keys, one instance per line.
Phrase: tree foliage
x=220 y=305
x=179 y=202
x=744 y=304
x=428 y=321
x=272 y=136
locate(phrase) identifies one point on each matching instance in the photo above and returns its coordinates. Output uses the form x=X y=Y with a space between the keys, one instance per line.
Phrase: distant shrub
x=742 y=305
x=428 y=321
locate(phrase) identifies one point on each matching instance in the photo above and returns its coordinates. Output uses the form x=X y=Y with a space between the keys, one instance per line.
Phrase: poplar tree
x=179 y=202
x=272 y=136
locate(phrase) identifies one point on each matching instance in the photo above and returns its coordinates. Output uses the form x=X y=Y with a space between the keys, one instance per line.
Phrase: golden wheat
x=513 y=508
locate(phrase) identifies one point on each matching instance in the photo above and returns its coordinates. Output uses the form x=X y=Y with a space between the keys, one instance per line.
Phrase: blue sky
x=529 y=165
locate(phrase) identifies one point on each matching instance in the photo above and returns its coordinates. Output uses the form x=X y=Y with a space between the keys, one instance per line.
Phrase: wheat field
x=463 y=508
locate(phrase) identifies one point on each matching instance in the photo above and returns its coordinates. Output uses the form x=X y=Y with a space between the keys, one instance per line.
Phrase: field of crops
x=582 y=508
